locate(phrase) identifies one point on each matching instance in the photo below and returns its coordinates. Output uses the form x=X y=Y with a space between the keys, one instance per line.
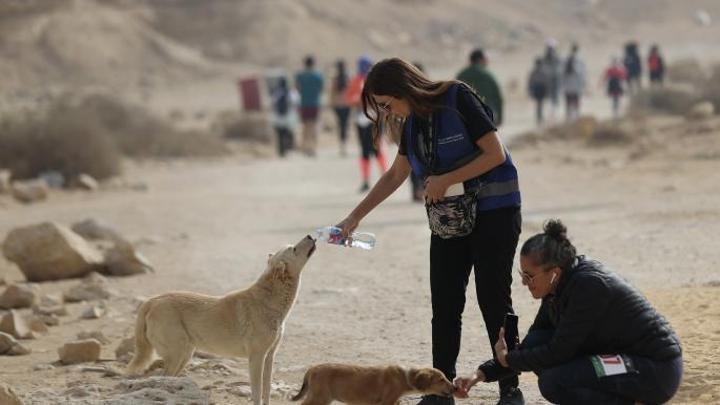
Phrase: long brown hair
x=397 y=78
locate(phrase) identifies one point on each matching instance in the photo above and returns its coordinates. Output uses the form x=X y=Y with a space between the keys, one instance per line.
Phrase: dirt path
x=211 y=224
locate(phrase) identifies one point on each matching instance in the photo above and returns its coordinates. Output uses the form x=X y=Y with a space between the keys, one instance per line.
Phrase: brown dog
x=325 y=383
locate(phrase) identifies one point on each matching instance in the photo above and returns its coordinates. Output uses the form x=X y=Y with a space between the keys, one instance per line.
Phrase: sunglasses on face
x=527 y=278
x=384 y=106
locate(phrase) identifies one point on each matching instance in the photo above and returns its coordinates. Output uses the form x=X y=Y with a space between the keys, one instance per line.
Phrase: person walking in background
x=368 y=147
x=337 y=99
x=284 y=101
x=538 y=88
x=656 y=66
x=553 y=66
x=477 y=76
x=633 y=67
x=614 y=77
x=309 y=83
x=472 y=200
x=573 y=83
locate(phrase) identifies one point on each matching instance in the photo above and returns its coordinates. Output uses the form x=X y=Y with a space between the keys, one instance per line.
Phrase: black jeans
x=575 y=382
x=342 y=113
x=490 y=250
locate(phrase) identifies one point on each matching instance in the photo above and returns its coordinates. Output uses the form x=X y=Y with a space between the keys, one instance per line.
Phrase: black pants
x=490 y=249
x=365 y=136
x=284 y=140
x=575 y=382
x=342 y=114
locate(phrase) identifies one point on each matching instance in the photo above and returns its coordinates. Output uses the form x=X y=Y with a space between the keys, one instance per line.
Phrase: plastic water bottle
x=333 y=235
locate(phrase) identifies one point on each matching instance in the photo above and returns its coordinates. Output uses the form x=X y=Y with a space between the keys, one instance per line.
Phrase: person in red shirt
x=656 y=66
x=614 y=77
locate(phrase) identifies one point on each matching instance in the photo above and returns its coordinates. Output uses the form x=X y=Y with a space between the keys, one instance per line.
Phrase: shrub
x=668 y=99
x=243 y=127
x=139 y=134
x=65 y=141
x=687 y=71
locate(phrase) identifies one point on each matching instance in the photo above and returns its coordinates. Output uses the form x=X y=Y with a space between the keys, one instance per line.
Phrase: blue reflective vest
x=453 y=148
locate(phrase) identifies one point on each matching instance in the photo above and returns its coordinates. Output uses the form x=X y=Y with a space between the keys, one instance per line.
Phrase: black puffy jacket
x=594 y=311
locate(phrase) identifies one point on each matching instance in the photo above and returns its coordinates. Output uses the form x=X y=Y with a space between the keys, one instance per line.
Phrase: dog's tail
x=143 y=347
x=303 y=389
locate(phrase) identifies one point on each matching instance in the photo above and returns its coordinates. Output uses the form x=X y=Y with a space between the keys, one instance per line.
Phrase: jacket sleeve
x=542 y=318
x=586 y=303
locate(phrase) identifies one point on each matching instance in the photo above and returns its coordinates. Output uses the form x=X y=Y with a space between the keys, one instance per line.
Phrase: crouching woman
x=595 y=338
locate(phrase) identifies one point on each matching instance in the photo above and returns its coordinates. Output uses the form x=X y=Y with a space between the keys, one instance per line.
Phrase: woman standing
x=595 y=339
x=471 y=193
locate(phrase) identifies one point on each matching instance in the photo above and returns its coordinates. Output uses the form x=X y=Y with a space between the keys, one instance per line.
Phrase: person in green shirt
x=477 y=76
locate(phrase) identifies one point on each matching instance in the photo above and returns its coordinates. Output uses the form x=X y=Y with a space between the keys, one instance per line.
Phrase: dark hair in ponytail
x=552 y=247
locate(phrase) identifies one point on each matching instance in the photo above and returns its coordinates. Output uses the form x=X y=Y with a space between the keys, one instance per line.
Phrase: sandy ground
x=208 y=225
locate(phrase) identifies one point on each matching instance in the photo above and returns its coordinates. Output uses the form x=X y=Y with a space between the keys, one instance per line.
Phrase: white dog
x=247 y=323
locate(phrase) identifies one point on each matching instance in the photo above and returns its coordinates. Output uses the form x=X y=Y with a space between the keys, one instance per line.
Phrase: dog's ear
x=270 y=255
x=280 y=270
x=420 y=379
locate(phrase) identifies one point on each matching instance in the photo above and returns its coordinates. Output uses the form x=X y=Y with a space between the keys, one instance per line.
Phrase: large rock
x=8 y=396
x=29 y=191
x=80 y=351
x=18 y=296
x=13 y=324
x=50 y=251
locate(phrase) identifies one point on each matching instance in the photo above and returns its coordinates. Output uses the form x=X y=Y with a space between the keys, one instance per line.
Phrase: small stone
x=14 y=324
x=49 y=320
x=81 y=351
x=86 y=182
x=38 y=325
x=43 y=367
x=11 y=347
x=51 y=300
x=18 y=296
x=93 y=287
x=97 y=335
x=59 y=310
x=94 y=312
x=29 y=191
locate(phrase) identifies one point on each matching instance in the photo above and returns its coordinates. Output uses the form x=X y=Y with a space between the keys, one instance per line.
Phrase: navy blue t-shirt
x=475 y=115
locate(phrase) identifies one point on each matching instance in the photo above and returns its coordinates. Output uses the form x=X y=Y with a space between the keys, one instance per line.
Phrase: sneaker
x=365 y=187
x=436 y=400
x=511 y=396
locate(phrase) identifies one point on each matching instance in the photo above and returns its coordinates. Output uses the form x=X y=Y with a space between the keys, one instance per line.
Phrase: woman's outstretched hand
x=348 y=225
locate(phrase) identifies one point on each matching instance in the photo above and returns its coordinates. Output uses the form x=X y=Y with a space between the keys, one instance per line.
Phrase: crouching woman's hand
x=463 y=384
